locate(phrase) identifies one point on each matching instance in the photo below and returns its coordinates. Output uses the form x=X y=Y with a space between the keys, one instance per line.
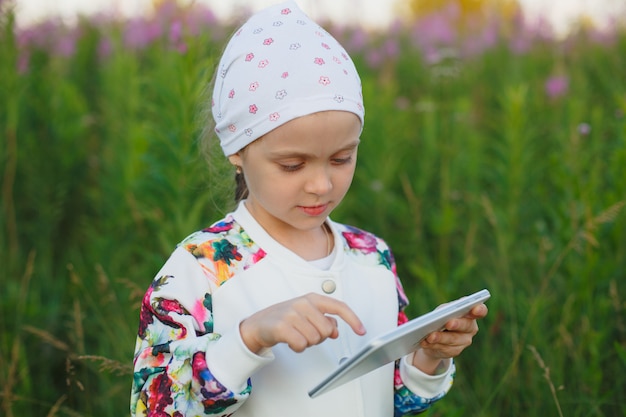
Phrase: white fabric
x=429 y=385
x=278 y=66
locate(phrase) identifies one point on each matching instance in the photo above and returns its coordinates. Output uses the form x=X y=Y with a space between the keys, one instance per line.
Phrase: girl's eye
x=342 y=161
x=291 y=167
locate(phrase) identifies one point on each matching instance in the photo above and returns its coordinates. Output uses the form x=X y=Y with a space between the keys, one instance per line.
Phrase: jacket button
x=329 y=286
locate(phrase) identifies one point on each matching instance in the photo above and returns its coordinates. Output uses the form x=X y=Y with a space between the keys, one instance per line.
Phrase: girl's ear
x=235 y=159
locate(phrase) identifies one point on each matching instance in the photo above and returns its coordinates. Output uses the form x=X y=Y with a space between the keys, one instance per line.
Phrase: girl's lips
x=314 y=210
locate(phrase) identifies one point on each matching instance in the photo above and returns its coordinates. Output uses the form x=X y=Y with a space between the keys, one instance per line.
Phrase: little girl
x=250 y=313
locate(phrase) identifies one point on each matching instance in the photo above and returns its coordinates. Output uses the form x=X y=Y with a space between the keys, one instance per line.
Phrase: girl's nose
x=319 y=182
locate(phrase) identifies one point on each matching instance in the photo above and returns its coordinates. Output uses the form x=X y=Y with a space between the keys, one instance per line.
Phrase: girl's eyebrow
x=297 y=154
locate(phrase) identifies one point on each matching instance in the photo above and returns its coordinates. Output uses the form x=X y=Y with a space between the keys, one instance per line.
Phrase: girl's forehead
x=331 y=131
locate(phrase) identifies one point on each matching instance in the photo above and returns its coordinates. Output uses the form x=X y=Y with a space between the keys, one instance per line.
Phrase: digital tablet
x=401 y=341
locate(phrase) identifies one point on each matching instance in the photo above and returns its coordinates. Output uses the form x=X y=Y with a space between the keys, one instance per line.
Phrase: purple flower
x=556 y=86
x=435 y=29
x=520 y=44
x=141 y=33
x=484 y=38
x=65 y=45
x=201 y=19
x=392 y=49
x=105 y=48
x=176 y=32
x=606 y=37
x=396 y=27
x=166 y=11
x=38 y=36
x=358 y=41
x=584 y=129
x=374 y=58
x=176 y=37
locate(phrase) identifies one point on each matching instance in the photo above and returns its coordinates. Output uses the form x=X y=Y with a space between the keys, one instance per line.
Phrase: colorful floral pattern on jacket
x=171 y=375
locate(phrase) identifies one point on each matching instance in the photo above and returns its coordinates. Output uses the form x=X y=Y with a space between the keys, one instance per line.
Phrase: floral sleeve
x=171 y=377
x=406 y=402
x=178 y=356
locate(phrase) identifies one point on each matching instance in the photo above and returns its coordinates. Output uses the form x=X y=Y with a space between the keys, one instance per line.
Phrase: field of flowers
x=493 y=156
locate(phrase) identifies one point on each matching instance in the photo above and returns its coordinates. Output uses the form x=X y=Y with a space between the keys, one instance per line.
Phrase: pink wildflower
x=556 y=86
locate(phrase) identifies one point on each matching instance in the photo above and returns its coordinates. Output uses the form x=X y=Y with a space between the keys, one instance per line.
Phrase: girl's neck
x=316 y=244
x=310 y=245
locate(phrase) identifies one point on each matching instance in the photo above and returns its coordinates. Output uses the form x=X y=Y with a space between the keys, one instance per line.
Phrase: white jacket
x=190 y=357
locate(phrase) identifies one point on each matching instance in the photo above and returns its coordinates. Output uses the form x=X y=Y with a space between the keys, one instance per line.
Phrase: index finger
x=329 y=305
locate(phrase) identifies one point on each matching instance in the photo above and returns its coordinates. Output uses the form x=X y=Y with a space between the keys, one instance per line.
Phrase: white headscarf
x=278 y=66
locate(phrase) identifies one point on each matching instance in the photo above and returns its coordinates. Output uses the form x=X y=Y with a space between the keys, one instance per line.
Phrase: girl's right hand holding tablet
x=301 y=322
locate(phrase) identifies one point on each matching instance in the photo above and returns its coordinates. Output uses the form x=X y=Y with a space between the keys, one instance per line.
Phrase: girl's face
x=299 y=172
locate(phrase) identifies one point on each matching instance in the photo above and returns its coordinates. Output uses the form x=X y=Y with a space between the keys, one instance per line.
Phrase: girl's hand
x=450 y=342
x=300 y=322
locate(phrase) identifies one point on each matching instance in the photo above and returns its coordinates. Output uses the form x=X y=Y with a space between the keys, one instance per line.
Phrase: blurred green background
x=494 y=155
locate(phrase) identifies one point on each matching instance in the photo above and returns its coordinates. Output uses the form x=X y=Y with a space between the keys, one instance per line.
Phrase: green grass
x=474 y=176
